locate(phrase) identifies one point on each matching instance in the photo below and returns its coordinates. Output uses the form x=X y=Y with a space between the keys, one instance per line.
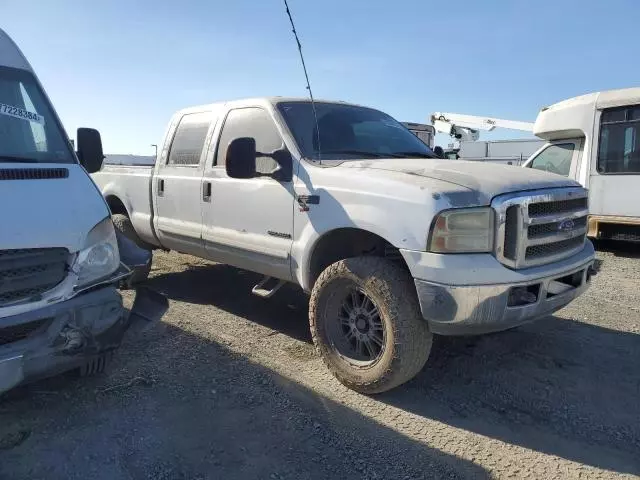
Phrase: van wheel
x=123 y=224
x=366 y=324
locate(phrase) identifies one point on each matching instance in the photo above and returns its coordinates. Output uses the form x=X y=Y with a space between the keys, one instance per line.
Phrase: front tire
x=366 y=324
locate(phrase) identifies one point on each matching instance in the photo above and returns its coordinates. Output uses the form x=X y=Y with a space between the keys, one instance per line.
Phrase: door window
x=619 y=149
x=555 y=159
x=189 y=139
x=251 y=122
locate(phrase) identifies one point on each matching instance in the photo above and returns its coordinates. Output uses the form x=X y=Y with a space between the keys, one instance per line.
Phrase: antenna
x=306 y=76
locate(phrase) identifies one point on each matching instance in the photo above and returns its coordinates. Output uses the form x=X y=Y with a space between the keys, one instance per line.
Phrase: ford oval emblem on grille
x=566 y=226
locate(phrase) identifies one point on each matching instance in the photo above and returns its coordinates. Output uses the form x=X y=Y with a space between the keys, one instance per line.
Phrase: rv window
x=619 y=149
x=555 y=158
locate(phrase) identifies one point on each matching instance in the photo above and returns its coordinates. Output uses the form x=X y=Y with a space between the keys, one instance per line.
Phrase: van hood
x=485 y=180
x=47 y=205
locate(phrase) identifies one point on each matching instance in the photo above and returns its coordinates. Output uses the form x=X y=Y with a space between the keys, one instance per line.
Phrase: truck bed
x=127 y=189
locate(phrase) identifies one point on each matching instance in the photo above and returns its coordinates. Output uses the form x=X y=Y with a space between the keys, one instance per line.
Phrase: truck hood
x=40 y=212
x=485 y=180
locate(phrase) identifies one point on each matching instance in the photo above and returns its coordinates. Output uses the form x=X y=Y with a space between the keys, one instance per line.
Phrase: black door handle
x=206 y=191
x=161 y=187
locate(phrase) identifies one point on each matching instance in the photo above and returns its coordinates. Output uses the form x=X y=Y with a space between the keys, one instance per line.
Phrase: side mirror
x=284 y=172
x=240 y=161
x=90 y=149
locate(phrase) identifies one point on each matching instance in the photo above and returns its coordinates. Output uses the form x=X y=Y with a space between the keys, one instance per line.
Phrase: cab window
x=252 y=122
x=555 y=158
x=189 y=139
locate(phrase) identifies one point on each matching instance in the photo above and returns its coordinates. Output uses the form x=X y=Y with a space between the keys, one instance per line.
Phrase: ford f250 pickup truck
x=392 y=244
x=60 y=257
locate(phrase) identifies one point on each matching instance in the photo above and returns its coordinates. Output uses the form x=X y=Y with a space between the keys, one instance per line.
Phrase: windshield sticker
x=20 y=113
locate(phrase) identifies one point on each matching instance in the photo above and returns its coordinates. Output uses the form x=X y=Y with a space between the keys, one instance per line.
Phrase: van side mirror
x=240 y=161
x=90 y=149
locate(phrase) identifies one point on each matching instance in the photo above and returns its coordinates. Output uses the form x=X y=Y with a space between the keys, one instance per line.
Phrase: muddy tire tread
x=413 y=340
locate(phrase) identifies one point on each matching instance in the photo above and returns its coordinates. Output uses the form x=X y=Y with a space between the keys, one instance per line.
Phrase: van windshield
x=350 y=132
x=29 y=132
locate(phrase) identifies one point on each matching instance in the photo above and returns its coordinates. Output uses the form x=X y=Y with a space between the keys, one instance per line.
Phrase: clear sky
x=125 y=66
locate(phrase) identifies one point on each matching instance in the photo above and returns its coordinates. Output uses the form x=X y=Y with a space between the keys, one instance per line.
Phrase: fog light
x=519 y=296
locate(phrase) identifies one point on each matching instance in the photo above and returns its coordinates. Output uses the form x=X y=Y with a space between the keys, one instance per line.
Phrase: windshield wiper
x=10 y=159
x=412 y=154
x=363 y=153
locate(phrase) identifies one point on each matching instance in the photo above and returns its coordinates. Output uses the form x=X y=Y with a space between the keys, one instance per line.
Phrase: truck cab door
x=177 y=181
x=248 y=223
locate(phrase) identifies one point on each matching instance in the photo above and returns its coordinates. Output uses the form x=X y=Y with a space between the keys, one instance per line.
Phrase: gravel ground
x=229 y=386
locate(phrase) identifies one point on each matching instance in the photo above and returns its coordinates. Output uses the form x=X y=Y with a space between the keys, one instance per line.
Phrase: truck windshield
x=349 y=132
x=29 y=132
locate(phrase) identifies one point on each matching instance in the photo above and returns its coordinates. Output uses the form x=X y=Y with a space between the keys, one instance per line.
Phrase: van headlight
x=464 y=230
x=100 y=257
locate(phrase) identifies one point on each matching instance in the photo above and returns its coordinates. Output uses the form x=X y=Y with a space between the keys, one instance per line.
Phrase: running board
x=261 y=290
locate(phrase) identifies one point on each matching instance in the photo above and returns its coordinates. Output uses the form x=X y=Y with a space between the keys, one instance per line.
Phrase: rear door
x=615 y=175
x=177 y=183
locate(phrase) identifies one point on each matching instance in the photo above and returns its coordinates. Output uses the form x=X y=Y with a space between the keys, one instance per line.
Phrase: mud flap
x=148 y=308
x=131 y=254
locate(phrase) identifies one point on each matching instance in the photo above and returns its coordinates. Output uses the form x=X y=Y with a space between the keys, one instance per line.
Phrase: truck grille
x=27 y=273
x=540 y=227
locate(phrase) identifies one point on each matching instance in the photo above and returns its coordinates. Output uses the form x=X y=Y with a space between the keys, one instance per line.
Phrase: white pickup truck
x=392 y=244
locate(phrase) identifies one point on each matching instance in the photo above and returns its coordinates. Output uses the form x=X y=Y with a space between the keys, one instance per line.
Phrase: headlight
x=100 y=257
x=464 y=230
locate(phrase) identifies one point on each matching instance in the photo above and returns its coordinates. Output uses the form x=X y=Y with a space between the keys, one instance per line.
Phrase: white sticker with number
x=21 y=113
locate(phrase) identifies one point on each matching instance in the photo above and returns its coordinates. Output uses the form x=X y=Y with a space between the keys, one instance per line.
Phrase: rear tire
x=123 y=224
x=125 y=227
x=369 y=352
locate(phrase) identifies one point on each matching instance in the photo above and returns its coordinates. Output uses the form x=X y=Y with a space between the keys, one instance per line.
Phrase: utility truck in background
x=465 y=129
x=595 y=140
x=60 y=257
x=392 y=244
x=426 y=133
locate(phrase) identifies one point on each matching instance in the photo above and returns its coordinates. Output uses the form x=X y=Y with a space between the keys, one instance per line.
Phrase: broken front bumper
x=478 y=309
x=69 y=334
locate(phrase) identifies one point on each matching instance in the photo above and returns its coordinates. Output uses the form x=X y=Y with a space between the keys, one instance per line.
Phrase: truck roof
x=10 y=54
x=258 y=100
x=575 y=116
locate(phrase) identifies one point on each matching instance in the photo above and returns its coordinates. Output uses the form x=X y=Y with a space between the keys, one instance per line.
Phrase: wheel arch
x=116 y=205
x=346 y=242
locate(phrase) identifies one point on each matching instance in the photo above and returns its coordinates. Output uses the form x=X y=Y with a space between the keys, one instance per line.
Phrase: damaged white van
x=59 y=255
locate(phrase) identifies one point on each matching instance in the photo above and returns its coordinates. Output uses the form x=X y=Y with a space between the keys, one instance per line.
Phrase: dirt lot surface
x=229 y=386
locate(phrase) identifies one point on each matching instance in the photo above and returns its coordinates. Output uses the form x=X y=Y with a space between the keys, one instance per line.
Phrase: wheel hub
x=362 y=332
x=362 y=324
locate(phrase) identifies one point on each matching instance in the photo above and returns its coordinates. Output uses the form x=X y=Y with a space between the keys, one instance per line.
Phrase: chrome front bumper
x=478 y=309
